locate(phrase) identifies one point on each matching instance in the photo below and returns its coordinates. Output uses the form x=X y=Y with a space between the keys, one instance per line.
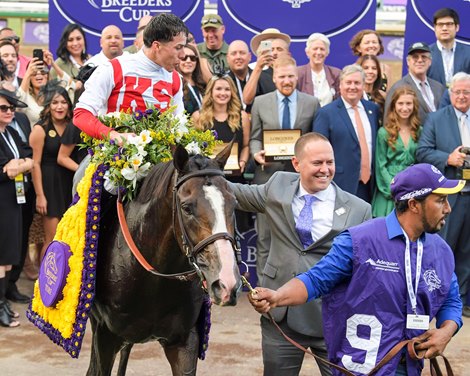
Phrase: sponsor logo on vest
x=387 y=266
x=432 y=280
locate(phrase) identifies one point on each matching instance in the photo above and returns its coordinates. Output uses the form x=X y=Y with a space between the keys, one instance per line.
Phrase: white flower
x=145 y=137
x=110 y=185
x=115 y=115
x=141 y=150
x=135 y=161
x=180 y=128
x=193 y=148
x=135 y=174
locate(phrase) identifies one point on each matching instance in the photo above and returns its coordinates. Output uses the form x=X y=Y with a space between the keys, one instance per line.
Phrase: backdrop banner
x=94 y=15
x=339 y=20
x=419 y=21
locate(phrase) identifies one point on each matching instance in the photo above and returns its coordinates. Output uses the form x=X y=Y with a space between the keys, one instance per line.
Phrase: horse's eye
x=186 y=209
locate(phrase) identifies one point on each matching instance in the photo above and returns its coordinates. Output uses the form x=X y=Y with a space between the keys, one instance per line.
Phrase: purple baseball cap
x=421 y=180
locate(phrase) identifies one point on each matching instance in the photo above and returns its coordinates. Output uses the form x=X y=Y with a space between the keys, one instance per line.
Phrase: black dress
x=56 y=180
x=11 y=223
x=71 y=136
x=190 y=102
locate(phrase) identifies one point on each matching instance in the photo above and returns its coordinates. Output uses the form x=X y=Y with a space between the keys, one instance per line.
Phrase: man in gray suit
x=269 y=111
x=428 y=91
x=287 y=199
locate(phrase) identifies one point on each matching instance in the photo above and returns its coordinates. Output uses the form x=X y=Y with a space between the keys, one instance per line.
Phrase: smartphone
x=37 y=52
x=265 y=45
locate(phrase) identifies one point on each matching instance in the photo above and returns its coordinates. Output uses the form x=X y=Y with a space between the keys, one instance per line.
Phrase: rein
x=190 y=251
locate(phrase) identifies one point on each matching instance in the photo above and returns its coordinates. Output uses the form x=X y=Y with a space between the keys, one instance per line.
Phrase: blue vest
x=365 y=317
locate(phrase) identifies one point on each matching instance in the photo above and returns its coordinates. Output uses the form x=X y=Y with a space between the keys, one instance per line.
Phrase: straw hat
x=270 y=33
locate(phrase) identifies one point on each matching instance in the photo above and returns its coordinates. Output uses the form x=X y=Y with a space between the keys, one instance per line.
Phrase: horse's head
x=204 y=207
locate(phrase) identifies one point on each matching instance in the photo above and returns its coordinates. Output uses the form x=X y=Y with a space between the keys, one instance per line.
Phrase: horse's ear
x=223 y=155
x=180 y=158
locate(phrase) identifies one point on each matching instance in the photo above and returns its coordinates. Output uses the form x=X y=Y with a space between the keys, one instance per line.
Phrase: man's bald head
x=111 y=41
x=238 y=57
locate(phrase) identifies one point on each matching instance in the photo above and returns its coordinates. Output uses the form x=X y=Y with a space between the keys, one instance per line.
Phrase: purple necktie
x=305 y=222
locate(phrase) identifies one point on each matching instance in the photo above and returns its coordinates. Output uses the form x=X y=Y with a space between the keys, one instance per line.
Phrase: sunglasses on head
x=5 y=108
x=13 y=38
x=192 y=58
x=211 y=20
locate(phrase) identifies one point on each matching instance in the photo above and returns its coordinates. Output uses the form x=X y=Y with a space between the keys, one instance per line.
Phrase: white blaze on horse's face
x=223 y=247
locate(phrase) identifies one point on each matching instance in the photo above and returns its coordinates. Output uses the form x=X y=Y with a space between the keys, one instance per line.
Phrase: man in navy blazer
x=336 y=121
x=444 y=133
x=448 y=56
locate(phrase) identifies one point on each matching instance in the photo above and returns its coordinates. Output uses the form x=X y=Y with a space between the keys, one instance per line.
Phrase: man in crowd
x=305 y=211
x=285 y=108
x=383 y=281
x=238 y=58
x=350 y=123
x=214 y=48
x=9 y=35
x=261 y=79
x=10 y=61
x=448 y=56
x=135 y=80
x=444 y=134
x=139 y=35
x=428 y=91
x=112 y=45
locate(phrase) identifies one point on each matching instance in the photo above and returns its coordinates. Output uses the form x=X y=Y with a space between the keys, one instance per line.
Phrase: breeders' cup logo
x=94 y=15
x=432 y=280
x=297 y=3
x=131 y=10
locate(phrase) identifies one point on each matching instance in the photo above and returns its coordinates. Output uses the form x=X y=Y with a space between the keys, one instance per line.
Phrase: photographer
x=444 y=143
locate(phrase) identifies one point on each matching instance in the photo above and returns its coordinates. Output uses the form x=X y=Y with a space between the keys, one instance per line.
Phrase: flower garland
x=156 y=136
x=65 y=323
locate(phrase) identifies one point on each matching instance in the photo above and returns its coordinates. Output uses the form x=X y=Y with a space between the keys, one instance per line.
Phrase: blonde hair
x=234 y=106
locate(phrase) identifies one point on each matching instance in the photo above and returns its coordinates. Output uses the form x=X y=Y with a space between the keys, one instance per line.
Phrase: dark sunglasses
x=14 y=38
x=192 y=58
x=211 y=20
x=5 y=108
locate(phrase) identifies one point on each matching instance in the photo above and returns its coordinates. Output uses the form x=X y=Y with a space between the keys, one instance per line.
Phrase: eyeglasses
x=460 y=92
x=12 y=38
x=41 y=72
x=192 y=58
x=4 y=108
x=417 y=57
x=211 y=20
x=440 y=25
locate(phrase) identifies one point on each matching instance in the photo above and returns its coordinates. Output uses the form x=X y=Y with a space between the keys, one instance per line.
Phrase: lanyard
x=239 y=87
x=11 y=144
x=409 y=283
x=197 y=96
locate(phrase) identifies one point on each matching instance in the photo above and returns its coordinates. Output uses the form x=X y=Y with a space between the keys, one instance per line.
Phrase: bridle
x=190 y=250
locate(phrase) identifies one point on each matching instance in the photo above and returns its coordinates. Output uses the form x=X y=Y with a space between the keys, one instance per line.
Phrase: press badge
x=19 y=187
x=420 y=322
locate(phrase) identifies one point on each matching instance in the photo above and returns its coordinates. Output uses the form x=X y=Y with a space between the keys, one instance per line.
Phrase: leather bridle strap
x=184 y=276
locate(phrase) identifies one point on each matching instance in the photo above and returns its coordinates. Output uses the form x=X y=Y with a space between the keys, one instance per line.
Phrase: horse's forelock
x=157 y=182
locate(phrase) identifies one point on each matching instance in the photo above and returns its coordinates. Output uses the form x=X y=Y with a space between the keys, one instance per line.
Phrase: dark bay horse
x=187 y=198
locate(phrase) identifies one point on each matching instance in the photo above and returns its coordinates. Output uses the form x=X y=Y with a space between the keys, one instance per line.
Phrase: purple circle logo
x=53 y=272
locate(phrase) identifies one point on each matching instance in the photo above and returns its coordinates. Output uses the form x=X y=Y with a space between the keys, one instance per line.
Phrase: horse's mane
x=158 y=181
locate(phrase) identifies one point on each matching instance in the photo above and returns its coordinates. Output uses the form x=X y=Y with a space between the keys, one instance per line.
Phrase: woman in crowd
x=396 y=146
x=15 y=162
x=373 y=81
x=316 y=78
x=36 y=76
x=194 y=84
x=368 y=42
x=221 y=111
x=71 y=52
x=52 y=183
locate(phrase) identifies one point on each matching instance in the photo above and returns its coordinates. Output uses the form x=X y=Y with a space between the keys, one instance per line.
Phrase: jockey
x=135 y=80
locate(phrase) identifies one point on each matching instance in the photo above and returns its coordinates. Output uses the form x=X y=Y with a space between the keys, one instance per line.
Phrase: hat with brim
x=418 y=46
x=12 y=98
x=270 y=33
x=211 y=20
x=420 y=180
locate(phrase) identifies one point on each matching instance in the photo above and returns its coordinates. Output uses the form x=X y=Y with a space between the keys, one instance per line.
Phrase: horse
x=182 y=222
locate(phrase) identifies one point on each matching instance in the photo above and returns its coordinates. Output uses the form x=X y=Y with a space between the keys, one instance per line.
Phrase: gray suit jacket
x=264 y=115
x=437 y=90
x=287 y=257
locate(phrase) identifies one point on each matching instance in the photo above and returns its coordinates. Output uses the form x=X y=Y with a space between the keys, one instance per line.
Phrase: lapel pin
x=370 y=112
x=340 y=211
